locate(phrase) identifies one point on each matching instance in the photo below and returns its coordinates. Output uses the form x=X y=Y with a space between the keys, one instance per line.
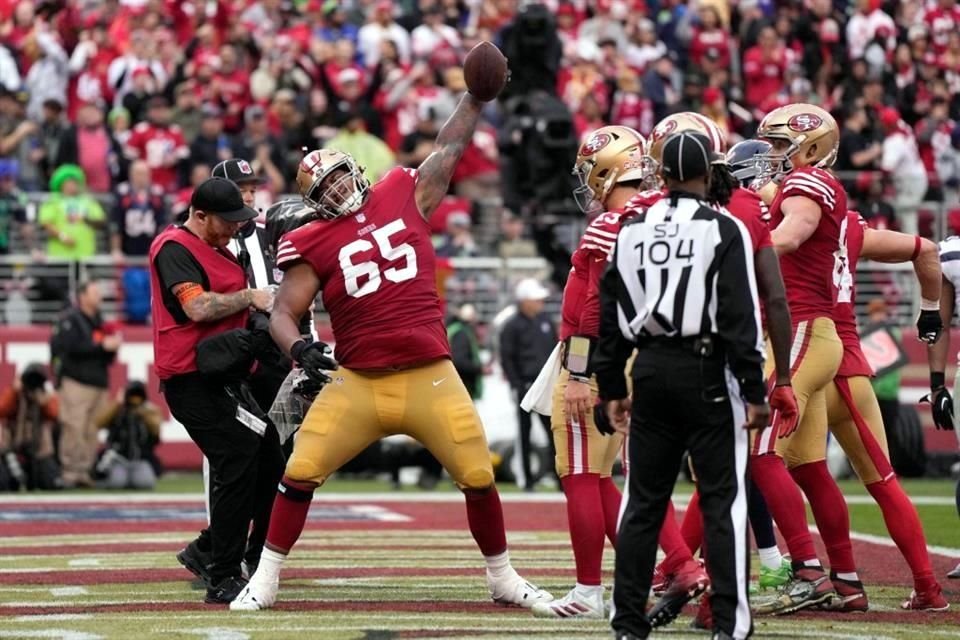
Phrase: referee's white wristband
x=929 y=305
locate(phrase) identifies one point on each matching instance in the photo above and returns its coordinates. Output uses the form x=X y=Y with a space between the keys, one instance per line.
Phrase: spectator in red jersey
x=160 y=143
x=567 y=28
x=91 y=146
x=764 y=68
x=933 y=139
x=88 y=66
x=343 y=57
x=232 y=87
x=942 y=20
x=630 y=107
x=710 y=36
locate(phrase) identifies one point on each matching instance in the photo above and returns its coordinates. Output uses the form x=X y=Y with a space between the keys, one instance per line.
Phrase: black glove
x=314 y=358
x=941 y=407
x=602 y=420
x=929 y=326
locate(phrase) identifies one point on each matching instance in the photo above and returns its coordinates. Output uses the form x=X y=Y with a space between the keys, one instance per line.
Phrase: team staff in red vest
x=199 y=291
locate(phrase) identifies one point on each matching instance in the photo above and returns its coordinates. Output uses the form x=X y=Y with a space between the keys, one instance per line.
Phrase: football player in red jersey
x=806 y=217
x=370 y=256
x=854 y=414
x=611 y=166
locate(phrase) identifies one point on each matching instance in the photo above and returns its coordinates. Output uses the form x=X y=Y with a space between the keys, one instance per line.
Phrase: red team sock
x=785 y=504
x=289 y=514
x=610 y=496
x=485 y=515
x=829 y=511
x=692 y=526
x=676 y=550
x=904 y=527
x=585 y=518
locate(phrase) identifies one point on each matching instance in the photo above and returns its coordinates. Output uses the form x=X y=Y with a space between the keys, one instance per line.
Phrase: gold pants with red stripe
x=814 y=360
x=581 y=448
x=428 y=403
x=856 y=423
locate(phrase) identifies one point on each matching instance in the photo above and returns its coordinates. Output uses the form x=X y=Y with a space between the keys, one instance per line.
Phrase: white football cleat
x=573 y=605
x=513 y=591
x=256 y=596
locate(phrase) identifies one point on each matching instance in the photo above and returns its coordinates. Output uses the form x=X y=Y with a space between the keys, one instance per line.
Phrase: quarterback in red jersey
x=370 y=256
x=611 y=166
x=854 y=414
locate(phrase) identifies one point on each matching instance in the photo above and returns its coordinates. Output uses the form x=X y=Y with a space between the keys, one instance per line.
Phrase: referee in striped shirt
x=681 y=291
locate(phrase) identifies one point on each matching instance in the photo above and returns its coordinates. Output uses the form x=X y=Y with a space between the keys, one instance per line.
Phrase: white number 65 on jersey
x=369 y=269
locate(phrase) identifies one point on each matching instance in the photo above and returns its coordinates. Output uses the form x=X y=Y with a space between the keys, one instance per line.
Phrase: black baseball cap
x=235 y=170
x=686 y=155
x=221 y=197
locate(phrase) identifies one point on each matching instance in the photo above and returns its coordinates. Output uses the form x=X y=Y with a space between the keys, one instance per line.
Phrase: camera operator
x=133 y=430
x=204 y=353
x=28 y=414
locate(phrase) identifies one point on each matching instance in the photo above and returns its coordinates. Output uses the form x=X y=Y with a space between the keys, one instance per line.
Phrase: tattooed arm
x=207 y=306
x=453 y=138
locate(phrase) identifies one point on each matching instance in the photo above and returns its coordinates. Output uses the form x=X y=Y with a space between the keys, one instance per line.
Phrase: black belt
x=703 y=346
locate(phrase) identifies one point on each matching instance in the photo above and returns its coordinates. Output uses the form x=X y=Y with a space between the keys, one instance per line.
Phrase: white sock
x=498 y=565
x=770 y=558
x=849 y=577
x=589 y=590
x=269 y=568
x=813 y=564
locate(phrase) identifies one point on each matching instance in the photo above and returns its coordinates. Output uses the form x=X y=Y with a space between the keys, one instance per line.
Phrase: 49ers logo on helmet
x=804 y=122
x=594 y=144
x=664 y=129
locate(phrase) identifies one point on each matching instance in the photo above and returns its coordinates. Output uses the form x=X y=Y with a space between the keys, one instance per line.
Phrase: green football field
x=375 y=564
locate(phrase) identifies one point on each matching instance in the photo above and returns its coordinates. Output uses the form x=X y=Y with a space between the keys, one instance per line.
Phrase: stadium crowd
x=139 y=99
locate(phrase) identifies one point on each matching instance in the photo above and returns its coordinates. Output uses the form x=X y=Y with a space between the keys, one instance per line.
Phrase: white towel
x=539 y=397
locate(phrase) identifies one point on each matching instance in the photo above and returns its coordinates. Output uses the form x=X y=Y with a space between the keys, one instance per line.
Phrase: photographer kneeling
x=28 y=415
x=133 y=430
x=204 y=354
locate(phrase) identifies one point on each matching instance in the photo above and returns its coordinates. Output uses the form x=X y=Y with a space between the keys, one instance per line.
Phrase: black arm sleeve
x=175 y=265
x=738 y=322
x=609 y=358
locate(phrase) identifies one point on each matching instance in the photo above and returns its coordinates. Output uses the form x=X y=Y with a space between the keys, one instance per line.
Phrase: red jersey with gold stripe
x=580 y=310
x=811 y=273
x=854 y=363
x=377 y=273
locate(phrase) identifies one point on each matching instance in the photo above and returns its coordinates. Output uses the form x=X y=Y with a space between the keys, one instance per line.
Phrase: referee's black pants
x=244 y=467
x=684 y=402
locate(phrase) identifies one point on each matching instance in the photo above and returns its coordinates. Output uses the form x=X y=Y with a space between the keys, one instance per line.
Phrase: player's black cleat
x=225 y=591
x=195 y=561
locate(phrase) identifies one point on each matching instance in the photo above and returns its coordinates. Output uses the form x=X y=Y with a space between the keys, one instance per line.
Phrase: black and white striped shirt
x=681 y=272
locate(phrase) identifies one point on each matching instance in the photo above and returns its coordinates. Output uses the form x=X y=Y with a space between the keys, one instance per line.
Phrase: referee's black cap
x=237 y=170
x=222 y=198
x=686 y=156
